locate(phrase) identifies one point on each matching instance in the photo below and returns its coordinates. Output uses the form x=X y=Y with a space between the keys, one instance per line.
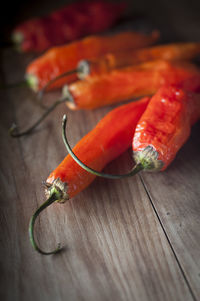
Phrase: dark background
x=162 y=13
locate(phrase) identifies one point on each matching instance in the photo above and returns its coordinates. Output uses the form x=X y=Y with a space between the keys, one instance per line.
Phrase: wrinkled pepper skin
x=67 y=24
x=131 y=82
x=65 y=58
x=165 y=126
x=110 y=61
x=110 y=138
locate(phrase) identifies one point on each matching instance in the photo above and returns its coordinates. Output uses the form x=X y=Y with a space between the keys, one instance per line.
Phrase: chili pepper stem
x=55 y=195
x=137 y=168
x=14 y=85
x=41 y=93
x=30 y=81
x=13 y=130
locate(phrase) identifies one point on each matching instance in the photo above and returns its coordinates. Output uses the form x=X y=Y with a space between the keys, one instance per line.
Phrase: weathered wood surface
x=133 y=239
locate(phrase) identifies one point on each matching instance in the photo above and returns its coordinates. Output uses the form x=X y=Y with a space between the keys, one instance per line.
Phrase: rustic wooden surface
x=133 y=239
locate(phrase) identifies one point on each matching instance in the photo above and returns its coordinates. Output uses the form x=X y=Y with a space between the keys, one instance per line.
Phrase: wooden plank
x=175 y=194
x=115 y=247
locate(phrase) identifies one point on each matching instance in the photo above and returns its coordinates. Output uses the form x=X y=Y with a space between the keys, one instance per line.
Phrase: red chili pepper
x=62 y=59
x=164 y=127
x=126 y=83
x=110 y=61
x=95 y=149
x=67 y=24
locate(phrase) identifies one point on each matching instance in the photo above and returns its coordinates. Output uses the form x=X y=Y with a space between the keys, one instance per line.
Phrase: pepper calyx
x=17 y=38
x=32 y=81
x=66 y=94
x=83 y=69
x=148 y=158
x=60 y=188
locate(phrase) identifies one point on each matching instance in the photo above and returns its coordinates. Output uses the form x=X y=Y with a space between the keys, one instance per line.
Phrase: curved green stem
x=13 y=129
x=137 y=168
x=30 y=81
x=41 y=93
x=55 y=195
x=14 y=85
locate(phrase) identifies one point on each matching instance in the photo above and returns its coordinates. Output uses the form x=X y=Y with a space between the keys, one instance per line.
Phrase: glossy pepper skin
x=110 y=61
x=164 y=127
x=67 y=24
x=126 y=83
x=61 y=59
x=110 y=138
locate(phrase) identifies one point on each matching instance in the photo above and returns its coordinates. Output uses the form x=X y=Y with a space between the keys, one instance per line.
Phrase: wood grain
x=115 y=246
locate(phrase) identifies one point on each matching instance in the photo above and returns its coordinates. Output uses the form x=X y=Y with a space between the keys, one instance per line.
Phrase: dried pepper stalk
x=126 y=83
x=59 y=60
x=67 y=24
x=95 y=149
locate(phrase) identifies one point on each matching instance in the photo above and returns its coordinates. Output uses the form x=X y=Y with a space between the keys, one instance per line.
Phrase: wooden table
x=132 y=239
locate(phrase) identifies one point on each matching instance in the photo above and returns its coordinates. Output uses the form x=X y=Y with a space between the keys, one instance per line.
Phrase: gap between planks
x=167 y=237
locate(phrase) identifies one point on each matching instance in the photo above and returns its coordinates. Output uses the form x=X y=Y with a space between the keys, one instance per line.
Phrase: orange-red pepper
x=95 y=149
x=98 y=148
x=110 y=61
x=126 y=83
x=164 y=127
x=67 y=24
x=61 y=59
